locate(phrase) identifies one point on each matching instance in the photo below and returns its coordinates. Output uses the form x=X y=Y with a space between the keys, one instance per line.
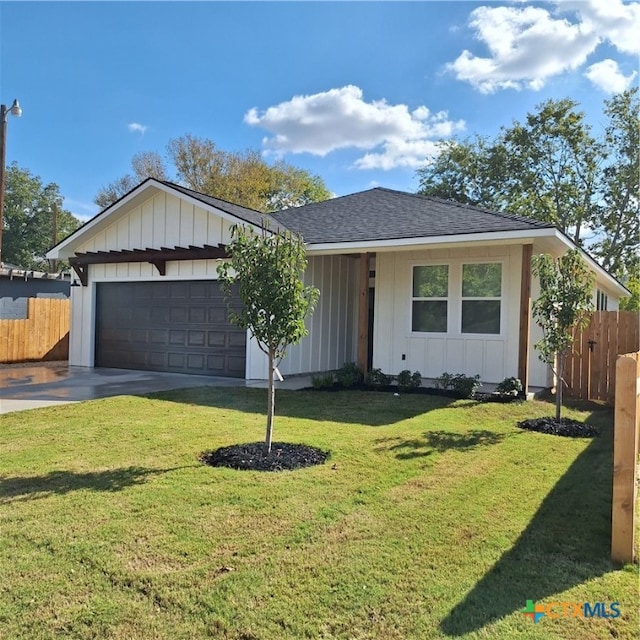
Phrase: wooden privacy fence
x=590 y=372
x=44 y=335
x=626 y=439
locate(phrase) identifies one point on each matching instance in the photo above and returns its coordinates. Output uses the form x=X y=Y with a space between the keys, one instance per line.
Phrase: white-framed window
x=481 y=298
x=602 y=300
x=430 y=298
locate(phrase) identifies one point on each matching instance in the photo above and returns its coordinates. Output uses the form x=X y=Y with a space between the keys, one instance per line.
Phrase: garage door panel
x=159 y=337
x=177 y=337
x=196 y=338
x=178 y=315
x=198 y=290
x=238 y=340
x=167 y=326
x=197 y=315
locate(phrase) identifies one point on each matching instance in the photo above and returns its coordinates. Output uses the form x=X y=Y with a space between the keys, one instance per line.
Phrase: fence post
x=625 y=455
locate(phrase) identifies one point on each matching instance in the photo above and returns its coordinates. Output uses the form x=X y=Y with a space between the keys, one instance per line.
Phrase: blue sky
x=357 y=92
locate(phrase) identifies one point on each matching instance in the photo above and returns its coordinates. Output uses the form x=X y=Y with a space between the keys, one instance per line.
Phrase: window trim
x=499 y=298
x=454 y=298
x=446 y=299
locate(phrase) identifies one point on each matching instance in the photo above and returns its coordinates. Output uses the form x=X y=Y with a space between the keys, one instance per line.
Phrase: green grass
x=432 y=519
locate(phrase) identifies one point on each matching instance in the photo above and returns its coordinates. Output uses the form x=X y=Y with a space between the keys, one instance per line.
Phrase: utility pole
x=16 y=111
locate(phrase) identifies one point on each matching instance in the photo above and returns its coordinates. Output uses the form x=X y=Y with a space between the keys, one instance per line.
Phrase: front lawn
x=432 y=518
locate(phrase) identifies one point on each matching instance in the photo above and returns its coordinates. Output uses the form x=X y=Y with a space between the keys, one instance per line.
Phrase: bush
x=510 y=387
x=349 y=375
x=323 y=381
x=444 y=381
x=461 y=385
x=408 y=381
x=375 y=378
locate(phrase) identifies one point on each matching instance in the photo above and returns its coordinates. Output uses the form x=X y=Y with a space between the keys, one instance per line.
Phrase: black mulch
x=562 y=427
x=250 y=456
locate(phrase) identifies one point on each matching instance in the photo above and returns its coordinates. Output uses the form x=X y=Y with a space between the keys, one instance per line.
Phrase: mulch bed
x=562 y=427
x=250 y=456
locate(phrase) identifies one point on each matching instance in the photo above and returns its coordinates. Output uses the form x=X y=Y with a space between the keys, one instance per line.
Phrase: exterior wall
x=333 y=327
x=539 y=373
x=492 y=357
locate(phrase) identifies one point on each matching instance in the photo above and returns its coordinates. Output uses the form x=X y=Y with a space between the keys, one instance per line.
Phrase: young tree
x=566 y=298
x=267 y=269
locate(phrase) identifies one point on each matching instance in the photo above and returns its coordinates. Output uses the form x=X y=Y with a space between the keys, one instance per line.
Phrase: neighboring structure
x=17 y=285
x=406 y=282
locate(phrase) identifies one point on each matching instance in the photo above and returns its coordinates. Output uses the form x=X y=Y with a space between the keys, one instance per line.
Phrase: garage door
x=167 y=326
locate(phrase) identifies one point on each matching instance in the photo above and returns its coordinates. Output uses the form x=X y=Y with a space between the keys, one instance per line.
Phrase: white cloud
x=135 y=127
x=528 y=45
x=341 y=119
x=606 y=75
x=613 y=20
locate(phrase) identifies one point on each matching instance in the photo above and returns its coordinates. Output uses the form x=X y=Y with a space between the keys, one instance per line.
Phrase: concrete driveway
x=44 y=384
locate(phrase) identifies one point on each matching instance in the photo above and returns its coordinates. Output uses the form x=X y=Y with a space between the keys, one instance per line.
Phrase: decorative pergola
x=157 y=257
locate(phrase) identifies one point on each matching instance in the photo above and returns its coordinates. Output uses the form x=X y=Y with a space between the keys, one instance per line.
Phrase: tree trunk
x=270 y=407
x=559 y=384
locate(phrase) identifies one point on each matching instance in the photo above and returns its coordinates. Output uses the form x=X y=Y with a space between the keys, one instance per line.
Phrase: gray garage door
x=167 y=326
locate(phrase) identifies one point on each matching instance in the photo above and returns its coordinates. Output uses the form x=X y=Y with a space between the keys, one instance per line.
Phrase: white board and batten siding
x=493 y=357
x=163 y=220
x=333 y=327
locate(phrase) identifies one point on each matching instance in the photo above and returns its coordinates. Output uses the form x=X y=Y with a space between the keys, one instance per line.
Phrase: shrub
x=349 y=374
x=408 y=381
x=375 y=378
x=461 y=385
x=444 y=381
x=323 y=381
x=466 y=386
x=510 y=387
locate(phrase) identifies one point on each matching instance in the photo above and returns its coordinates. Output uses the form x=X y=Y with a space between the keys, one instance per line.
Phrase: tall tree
x=619 y=219
x=471 y=171
x=148 y=164
x=241 y=177
x=550 y=168
x=267 y=269
x=565 y=300
x=33 y=211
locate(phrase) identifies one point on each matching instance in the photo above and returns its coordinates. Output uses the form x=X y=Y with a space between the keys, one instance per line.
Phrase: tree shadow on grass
x=18 y=488
x=440 y=441
x=371 y=408
x=565 y=544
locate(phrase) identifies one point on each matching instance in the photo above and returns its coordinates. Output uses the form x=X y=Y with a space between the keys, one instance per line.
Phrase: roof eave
x=406 y=244
x=599 y=270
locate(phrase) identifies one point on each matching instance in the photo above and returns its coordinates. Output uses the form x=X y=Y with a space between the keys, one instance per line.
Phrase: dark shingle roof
x=384 y=214
x=248 y=215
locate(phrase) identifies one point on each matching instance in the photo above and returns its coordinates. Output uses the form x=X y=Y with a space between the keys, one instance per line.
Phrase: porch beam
x=525 y=317
x=363 y=313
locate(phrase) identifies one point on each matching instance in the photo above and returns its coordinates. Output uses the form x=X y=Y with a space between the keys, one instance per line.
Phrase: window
x=429 y=304
x=481 y=298
x=602 y=300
